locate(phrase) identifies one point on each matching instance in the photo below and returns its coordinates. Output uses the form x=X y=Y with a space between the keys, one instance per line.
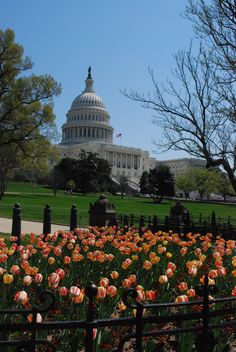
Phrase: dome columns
x=81 y=134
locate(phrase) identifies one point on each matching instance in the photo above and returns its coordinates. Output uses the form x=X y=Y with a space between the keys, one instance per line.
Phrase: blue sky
x=120 y=39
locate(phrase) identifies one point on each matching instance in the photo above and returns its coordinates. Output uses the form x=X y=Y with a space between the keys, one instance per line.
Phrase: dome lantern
x=89 y=82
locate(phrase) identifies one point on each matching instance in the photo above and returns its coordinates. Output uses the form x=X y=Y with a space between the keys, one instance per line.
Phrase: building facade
x=88 y=128
x=179 y=166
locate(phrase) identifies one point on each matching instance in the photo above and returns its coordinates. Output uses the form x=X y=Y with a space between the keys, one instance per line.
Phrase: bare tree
x=215 y=22
x=195 y=117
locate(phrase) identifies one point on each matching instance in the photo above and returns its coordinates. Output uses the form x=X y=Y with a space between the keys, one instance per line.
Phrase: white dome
x=87 y=119
x=87 y=99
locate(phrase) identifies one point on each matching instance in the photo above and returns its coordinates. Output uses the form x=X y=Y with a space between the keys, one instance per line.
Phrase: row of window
x=86 y=132
x=87 y=118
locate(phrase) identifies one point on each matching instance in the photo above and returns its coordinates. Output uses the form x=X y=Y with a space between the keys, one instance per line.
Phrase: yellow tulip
x=7 y=279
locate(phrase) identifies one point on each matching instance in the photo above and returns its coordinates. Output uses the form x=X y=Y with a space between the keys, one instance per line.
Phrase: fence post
x=166 y=224
x=73 y=218
x=90 y=291
x=126 y=223
x=141 y=224
x=154 y=224
x=16 y=222
x=131 y=220
x=205 y=341
x=47 y=220
x=213 y=219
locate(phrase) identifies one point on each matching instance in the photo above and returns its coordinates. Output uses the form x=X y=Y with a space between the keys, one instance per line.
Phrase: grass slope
x=33 y=199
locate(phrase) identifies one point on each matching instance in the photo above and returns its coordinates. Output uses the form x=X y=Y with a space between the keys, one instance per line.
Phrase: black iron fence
x=197 y=225
x=214 y=225
x=201 y=318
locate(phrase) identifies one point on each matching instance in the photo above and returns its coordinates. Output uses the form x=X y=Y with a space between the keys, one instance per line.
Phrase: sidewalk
x=28 y=226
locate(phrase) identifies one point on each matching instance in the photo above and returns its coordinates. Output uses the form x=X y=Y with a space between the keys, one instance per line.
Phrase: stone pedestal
x=102 y=213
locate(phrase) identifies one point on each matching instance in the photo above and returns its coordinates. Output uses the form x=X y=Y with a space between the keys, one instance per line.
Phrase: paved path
x=28 y=226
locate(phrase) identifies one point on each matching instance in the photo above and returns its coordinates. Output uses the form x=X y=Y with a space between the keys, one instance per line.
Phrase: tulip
x=7 y=279
x=181 y=299
x=51 y=260
x=53 y=280
x=183 y=251
x=62 y=291
x=2 y=271
x=147 y=265
x=163 y=279
x=101 y=292
x=192 y=270
x=126 y=283
x=39 y=318
x=126 y=263
x=74 y=291
x=221 y=271
x=213 y=274
x=111 y=291
x=60 y=272
x=132 y=278
x=183 y=286
x=114 y=275
x=3 y=258
x=15 y=270
x=66 y=260
x=150 y=295
x=57 y=251
x=78 y=299
x=21 y=297
x=191 y=292
x=38 y=278
x=171 y=266
x=104 y=282
x=27 y=280
x=169 y=255
x=169 y=273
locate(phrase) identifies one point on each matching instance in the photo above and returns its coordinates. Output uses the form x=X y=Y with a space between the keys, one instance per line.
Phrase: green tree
x=8 y=162
x=92 y=172
x=185 y=182
x=224 y=187
x=144 y=183
x=161 y=183
x=27 y=122
x=67 y=167
x=70 y=185
x=205 y=181
x=123 y=185
x=56 y=180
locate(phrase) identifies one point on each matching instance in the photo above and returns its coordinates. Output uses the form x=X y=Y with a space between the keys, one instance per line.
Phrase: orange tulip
x=183 y=286
x=114 y=275
x=181 y=299
x=101 y=292
x=111 y=291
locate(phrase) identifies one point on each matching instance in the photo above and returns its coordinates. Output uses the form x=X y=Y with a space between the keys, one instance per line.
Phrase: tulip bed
x=162 y=267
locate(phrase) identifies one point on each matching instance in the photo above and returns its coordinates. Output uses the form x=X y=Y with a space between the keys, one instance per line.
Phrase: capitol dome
x=87 y=119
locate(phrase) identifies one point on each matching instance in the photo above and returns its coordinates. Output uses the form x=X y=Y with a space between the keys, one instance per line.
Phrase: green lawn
x=33 y=198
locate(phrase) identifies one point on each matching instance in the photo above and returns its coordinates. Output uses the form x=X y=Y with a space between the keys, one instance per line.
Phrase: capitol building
x=88 y=128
